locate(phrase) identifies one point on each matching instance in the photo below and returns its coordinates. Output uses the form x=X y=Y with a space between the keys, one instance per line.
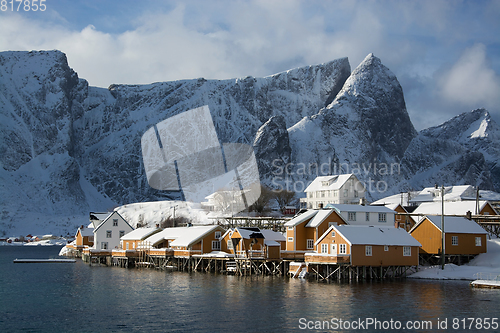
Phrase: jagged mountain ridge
x=68 y=148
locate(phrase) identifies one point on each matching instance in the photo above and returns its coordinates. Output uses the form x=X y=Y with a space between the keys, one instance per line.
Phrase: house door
x=333 y=250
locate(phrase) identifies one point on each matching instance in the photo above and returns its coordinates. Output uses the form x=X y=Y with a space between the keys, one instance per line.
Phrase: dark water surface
x=80 y=298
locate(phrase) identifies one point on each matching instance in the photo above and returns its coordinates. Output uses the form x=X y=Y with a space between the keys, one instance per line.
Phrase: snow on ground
x=151 y=213
x=485 y=264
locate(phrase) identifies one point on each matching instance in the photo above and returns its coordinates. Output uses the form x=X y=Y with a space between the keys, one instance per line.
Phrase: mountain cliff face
x=67 y=148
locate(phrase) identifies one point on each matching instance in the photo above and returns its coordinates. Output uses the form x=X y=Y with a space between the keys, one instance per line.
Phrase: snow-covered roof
x=301 y=218
x=107 y=219
x=451 y=193
x=450 y=207
x=396 y=199
x=454 y=224
x=271 y=235
x=139 y=234
x=319 y=217
x=247 y=233
x=86 y=232
x=181 y=236
x=372 y=235
x=323 y=183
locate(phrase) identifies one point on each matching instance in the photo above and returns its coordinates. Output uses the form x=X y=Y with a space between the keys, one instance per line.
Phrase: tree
x=262 y=203
x=283 y=198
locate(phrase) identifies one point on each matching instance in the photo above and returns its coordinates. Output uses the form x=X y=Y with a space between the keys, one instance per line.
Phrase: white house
x=338 y=189
x=365 y=215
x=108 y=233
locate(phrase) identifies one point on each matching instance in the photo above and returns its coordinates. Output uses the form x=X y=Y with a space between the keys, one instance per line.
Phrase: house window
x=323 y=194
x=478 y=241
x=382 y=217
x=115 y=222
x=367 y=216
x=324 y=248
x=333 y=233
x=386 y=248
x=108 y=234
x=346 y=193
x=407 y=251
x=230 y=244
x=355 y=193
x=454 y=240
x=310 y=244
x=215 y=245
x=290 y=239
x=368 y=250
x=217 y=234
x=290 y=228
x=342 y=249
x=104 y=245
x=335 y=193
x=122 y=233
x=127 y=245
x=351 y=216
x=309 y=194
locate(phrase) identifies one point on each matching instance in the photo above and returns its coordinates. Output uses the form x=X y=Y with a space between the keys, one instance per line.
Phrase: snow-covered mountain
x=67 y=148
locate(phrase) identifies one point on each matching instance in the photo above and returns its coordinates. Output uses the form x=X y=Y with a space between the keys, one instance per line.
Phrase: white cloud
x=471 y=80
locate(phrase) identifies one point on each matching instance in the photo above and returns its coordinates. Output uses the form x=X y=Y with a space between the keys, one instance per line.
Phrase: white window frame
x=406 y=251
x=324 y=248
x=478 y=241
x=351 y=216
x=310 y=244
x=290 y=239
x=342 y=248
x=217 y=234
x=368 y=250
x=230 y=244
x=215 y=245
x=454 y=240
x=104 y=245
x=382 y=217
x=386 y=248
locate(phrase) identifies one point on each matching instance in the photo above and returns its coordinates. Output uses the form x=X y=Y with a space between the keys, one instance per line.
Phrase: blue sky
x=446 y=54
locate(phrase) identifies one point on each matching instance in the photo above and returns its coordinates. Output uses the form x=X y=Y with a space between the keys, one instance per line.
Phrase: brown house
x=462 y=236
x=84 y=237
x=305 y=229
x=365 y=246
x=253 y=243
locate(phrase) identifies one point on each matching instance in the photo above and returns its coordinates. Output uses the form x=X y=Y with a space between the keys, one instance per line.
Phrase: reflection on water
x=80 y=298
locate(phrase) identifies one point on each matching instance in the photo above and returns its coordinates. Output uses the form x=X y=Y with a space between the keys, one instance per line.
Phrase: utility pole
x=442 y=228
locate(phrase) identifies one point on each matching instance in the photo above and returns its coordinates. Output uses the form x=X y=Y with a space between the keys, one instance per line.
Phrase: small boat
x=38 y=261
x=486 y=281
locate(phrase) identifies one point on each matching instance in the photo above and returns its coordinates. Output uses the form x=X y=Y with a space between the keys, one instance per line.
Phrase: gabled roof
x=301 y=218
x=372 y=235
x=329 y=182
x=109 y=216
x=85 y=232
x=140 y=233
x=453 y=224
x=450 y=207
x=270 y=235
x=247 y=233
x=182 y=236
x=319 y=217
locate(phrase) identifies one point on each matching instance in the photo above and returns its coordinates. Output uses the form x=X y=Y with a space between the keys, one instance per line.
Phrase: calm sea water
x=80 y=298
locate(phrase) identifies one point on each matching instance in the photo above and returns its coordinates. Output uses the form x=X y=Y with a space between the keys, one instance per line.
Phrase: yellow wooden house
x=462 y=236
x=365 y=246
